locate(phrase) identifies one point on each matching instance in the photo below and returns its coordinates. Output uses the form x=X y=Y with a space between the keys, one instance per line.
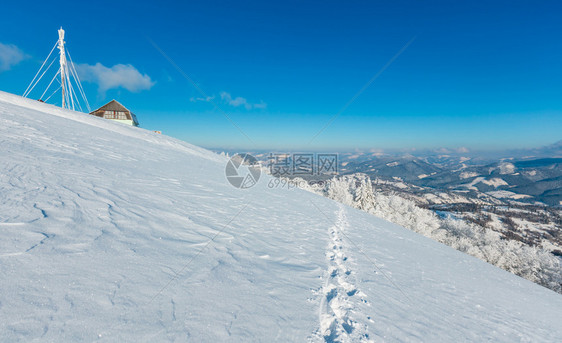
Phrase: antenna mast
x=69 y=81
x=62 y=66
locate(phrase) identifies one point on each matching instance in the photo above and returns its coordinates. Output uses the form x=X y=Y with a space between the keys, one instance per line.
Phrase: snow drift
x=113 y=233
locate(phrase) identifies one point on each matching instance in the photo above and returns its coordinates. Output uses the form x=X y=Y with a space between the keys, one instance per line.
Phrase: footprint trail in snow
x=340 y=295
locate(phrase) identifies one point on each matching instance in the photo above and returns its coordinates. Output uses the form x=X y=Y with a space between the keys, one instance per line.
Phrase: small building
x=115 y=111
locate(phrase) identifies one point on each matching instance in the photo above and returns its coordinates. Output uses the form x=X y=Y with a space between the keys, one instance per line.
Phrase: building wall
x=116 y=115
x=122 y=117
x=127 y=121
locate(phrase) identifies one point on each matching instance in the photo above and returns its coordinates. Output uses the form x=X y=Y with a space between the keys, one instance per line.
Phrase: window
x=120 y=115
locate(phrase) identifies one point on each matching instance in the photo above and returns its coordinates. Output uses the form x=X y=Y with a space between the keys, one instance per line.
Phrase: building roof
x=113 y=105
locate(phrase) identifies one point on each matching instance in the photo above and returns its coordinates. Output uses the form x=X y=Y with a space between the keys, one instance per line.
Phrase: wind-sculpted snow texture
x=112 y=233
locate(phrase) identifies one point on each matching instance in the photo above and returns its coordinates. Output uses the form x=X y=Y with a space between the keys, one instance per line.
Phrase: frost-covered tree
x=532 y=263
x=364 y=196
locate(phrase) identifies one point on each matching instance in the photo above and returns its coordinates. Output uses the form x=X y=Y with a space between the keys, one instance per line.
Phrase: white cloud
x=120 y=75
x=240 y=101
x=10 y=55
x=260 y=105
x=442 y=151
x=204 y=99
x=462 y=150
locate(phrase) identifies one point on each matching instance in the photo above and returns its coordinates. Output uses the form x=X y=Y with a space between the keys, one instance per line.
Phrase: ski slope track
x=112 y=233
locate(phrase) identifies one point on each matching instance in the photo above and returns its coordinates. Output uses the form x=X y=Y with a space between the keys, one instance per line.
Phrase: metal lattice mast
x=63 y=70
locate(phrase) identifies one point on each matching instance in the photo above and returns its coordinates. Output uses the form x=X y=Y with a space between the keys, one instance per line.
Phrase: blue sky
x=483 y=75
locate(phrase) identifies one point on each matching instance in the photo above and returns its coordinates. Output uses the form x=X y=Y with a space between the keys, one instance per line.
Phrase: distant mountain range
x=532 y=176
x=528 y=180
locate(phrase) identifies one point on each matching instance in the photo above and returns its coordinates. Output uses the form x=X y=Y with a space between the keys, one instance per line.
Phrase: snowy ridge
x=96 y=122
x=112 y=233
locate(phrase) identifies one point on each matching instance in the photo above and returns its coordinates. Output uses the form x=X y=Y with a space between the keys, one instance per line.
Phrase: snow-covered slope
x=114 y=233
